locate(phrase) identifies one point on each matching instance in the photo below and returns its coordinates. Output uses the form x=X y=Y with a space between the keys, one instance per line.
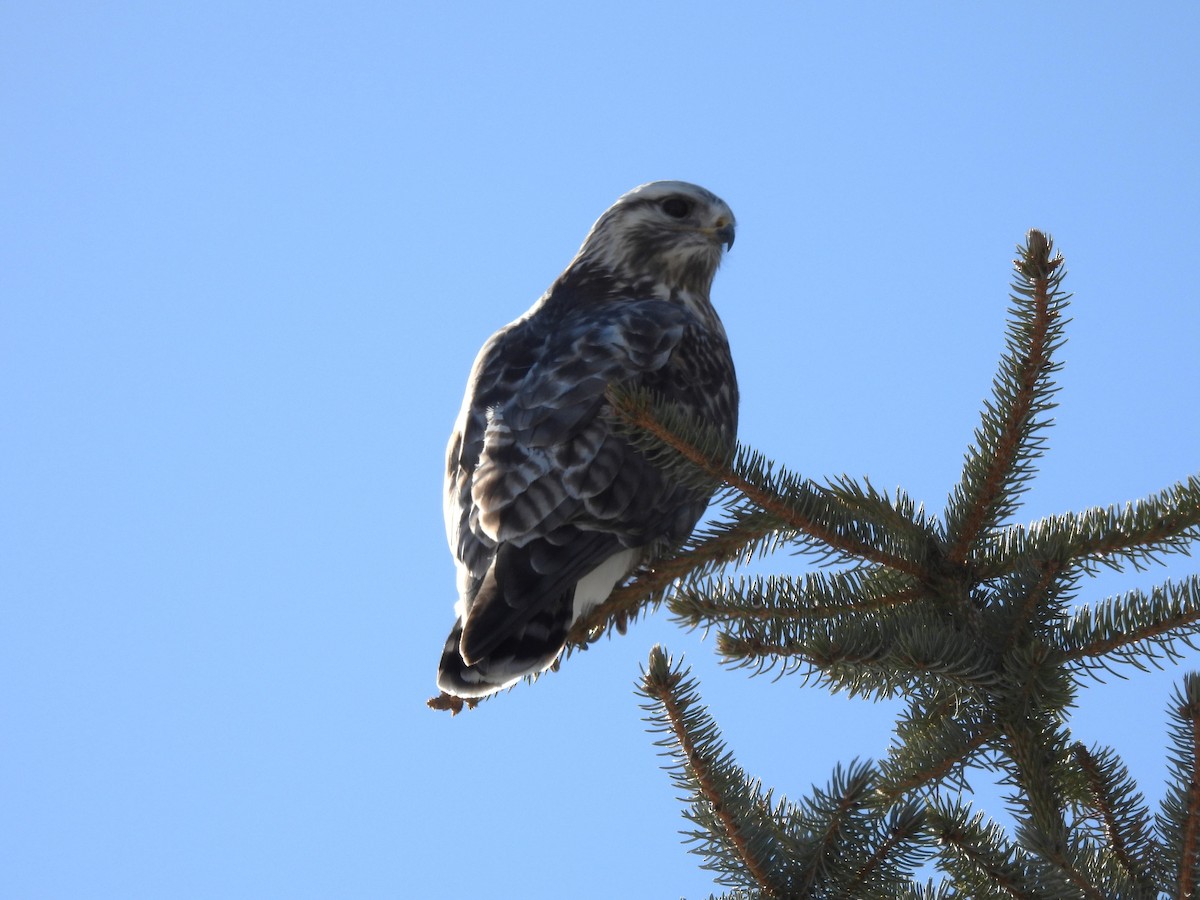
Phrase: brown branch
x=892 y=841
x=1171 y=528
x=728 y=645
x=1100 y=648
x=1116 y=838
x=1010 y=438
x=1191 y=827
x=939 y=771
x=1089 y=890
x=829 y=840
x=703 y=776
x=1039 y=796
x=1000 y=878
x=745 y=648
x=640 y=416
x=717 y=611
x=1123 y=544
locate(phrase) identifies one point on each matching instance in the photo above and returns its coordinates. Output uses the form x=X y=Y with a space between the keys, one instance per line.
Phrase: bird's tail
x=502 y=668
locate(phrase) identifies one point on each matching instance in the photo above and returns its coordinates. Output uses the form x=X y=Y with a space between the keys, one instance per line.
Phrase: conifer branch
x=1167 y=522
x=1135 y=533
x=986 y=865
x=1036 y=597
x=1191 y=828
x=695 y=607
x=773 y=598
x=693 y=735
x=1179 y=817
x=1123 y=817
x=901 y=516
x=1135 y=627
x=846 y=796
x=934 y=769
x=879 y=654
x=1066 y=864
x=797 y=504
x=904 y=826
x=1007 y=439
x=838 y=842
x=1031 y=757
x=1035 y=757
x=934 y=723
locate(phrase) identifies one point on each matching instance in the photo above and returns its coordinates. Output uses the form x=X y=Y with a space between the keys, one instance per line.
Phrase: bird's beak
x=723 y=232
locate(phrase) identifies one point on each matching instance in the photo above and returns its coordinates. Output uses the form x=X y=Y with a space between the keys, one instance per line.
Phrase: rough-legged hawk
x=547 y=508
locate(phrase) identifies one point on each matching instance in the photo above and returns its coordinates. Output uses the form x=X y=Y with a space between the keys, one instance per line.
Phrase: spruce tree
x=984 y=629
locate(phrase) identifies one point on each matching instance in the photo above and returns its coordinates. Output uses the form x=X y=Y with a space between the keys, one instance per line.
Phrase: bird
x=548 y=505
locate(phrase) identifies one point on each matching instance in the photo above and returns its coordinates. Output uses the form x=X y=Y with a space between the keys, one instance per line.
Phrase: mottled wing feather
x=532 y=409
x=537 y=480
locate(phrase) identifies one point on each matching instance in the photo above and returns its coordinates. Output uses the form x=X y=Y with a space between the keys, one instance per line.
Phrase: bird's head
x=670 y=231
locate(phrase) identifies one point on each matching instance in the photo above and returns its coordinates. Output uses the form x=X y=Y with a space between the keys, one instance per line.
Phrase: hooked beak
x=725 y=235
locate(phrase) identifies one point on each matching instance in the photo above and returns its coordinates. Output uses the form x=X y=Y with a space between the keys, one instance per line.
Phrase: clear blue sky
x=247 y=254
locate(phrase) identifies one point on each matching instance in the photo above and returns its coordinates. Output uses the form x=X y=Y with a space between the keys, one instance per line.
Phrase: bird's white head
x=670 y=231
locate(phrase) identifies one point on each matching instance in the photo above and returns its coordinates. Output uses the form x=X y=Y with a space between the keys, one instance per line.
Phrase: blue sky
x=247 y=254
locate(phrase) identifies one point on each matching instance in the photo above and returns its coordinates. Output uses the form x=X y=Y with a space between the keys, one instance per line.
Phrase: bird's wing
x=540 y=489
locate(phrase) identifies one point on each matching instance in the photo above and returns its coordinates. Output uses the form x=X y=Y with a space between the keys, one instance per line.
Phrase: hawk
x=548 y=507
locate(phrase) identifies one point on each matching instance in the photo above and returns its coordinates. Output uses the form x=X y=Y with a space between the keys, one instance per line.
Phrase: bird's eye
x=676 y=207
